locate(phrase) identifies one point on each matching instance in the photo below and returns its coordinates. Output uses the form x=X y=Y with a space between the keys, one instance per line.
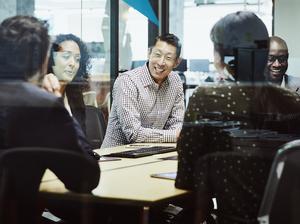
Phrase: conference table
x=126 y=182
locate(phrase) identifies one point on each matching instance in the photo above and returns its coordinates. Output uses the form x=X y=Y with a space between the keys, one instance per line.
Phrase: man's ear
x=177 y=62
x=149 y=52
x=44 y=68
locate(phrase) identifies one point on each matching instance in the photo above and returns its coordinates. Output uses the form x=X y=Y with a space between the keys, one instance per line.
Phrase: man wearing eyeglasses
x=148 y=102
x=278 y=64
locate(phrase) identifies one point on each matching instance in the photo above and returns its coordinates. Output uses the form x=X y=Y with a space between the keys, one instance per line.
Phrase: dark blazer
x=29 y=116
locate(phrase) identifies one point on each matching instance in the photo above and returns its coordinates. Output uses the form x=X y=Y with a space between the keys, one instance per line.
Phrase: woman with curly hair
x=70 y=62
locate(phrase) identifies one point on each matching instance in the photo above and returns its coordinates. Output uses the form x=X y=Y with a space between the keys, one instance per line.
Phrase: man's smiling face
x=162 y=60
x=277 y=62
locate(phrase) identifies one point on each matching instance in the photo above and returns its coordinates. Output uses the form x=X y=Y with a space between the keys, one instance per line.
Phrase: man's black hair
x=172 y=40
x=24 y=43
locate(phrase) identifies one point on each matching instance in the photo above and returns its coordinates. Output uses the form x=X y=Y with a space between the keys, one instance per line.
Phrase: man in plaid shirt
x=148 y=102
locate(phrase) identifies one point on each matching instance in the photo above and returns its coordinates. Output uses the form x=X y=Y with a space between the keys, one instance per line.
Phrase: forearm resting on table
x=152 y=135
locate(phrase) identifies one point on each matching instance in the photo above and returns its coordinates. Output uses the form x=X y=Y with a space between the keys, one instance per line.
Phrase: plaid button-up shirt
x=143 y=111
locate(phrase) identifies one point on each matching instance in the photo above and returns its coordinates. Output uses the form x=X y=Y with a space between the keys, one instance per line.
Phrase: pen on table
x=137 y=145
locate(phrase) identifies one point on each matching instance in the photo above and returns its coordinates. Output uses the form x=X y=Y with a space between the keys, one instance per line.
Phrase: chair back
x=237 y=180
x=95 y=126
x=21 y=171
x=281 y=200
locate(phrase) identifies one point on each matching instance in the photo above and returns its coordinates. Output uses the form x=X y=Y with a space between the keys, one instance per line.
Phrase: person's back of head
x=24 y=44
x=240 y=36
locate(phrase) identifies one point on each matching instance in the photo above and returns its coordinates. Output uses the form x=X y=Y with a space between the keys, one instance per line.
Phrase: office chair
x=182 y=67
x=237 y=181
x=95 y=126
x=281 y=201
x=21 y=171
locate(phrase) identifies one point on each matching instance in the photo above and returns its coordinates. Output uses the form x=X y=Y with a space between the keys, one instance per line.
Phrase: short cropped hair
x=172 y=40
x=24 y=44
x=242 y=29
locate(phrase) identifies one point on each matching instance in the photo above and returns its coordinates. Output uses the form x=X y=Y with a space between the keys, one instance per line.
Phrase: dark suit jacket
x=31 y=117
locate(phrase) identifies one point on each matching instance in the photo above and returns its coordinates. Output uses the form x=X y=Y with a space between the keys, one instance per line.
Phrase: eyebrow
x=70 y=52
x=168 y=53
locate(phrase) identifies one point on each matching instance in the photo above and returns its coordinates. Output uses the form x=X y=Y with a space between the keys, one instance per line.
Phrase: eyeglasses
x=158 y=54
x=281 y=58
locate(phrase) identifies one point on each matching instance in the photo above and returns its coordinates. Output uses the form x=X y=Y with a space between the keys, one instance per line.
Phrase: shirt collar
x=284 y=82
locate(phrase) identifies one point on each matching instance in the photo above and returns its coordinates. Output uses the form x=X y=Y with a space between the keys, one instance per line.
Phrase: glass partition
x=133 y=37
x=192 y=21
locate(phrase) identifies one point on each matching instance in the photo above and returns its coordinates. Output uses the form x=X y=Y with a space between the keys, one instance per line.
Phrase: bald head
x=278 y=44
x=277 y=60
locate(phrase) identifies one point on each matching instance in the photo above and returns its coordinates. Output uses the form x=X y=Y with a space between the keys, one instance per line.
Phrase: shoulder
x=216 y=88
x=39 y=96
x=174 y=78
x=174 y=82
x=132 y=77
x=27 y=94
x=33 y=104
x=136 y=73
x=293 y=78
x=293 y=82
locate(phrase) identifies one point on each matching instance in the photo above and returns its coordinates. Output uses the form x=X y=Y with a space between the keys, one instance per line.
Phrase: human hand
x=51 y=84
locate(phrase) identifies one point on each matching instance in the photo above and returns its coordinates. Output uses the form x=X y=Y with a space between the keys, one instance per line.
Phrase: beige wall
x=287 y=26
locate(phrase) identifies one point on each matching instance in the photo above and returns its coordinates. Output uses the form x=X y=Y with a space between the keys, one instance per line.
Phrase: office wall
x=286 y=25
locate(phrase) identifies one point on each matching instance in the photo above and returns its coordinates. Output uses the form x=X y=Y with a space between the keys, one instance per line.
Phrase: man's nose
x=162 y=60
x=276 y=63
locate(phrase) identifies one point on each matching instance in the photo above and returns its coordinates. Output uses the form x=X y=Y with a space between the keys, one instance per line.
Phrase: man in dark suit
x=29 y=115
x=278 y=64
